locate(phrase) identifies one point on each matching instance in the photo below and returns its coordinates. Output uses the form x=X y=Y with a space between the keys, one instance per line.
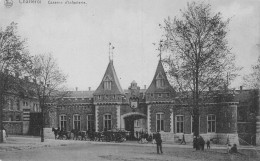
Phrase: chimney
x=76 y=88
x=144 y=86
x=89 y=88
x=241 y=88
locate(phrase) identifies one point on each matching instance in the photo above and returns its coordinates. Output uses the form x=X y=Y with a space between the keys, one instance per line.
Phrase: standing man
x=158 y=140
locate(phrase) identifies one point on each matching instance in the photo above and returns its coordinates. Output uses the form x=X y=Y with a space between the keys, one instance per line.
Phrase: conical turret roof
x=110 y=75
x=160 y=74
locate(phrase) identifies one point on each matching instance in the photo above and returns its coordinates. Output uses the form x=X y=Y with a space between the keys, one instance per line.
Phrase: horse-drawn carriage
x=106 y=136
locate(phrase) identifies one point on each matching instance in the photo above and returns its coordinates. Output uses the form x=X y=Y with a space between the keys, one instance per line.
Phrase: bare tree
x=252 y=80
x=49 y=81
x=13 y=57
x=199 y=56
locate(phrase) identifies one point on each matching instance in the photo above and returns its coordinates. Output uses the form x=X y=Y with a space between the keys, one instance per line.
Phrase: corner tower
x=159 y=100
x=109 y=90
x=160 y=88
x=108 y=99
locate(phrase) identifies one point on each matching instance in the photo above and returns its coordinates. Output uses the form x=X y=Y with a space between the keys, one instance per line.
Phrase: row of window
x=107 y=97
x=160 y=119
x=160 y=95
x=11 y=105
x=77 y=122
x=179 y=120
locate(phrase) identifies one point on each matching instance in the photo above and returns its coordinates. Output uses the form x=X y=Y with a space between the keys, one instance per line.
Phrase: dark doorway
x=129 y=123
x=130 y=126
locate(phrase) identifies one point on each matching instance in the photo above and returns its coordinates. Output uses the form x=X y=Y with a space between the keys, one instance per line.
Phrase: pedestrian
x=183 y=140
x=208 y=144
x=201 y=142
x=158 y=140
x=4 y=131
x=233 y=149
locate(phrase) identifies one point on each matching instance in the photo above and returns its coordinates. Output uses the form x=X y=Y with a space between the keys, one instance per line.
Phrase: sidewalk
x=31 y=142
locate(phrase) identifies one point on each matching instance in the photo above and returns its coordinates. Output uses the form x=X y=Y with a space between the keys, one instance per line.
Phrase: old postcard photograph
x=129 y=80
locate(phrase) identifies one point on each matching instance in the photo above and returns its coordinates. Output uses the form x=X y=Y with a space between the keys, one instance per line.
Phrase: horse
x=55 y=131
x=63 y=134
x=83 y=135
x=75 y=133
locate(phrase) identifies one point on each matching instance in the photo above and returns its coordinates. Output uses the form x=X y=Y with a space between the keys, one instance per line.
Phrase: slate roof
x=167 y=87
x=115 y=86
x=80 y=94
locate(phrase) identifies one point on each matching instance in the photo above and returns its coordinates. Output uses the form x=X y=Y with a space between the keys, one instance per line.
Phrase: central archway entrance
x=135 y=123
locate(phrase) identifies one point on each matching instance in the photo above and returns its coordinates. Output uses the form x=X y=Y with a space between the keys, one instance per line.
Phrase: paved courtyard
x=22 y=148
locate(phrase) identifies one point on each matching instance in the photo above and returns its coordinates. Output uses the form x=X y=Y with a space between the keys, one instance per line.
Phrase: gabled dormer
x=109 y=90
x=160 y=79
x=160 y=88
x=107 y=82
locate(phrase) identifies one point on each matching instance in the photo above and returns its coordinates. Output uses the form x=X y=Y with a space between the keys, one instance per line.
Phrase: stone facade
x=153 y=109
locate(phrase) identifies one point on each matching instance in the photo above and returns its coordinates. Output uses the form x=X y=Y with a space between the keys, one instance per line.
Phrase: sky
x=78 y=35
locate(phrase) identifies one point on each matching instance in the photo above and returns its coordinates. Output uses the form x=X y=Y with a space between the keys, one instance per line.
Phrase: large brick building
x=156 y=108
x=20 y=103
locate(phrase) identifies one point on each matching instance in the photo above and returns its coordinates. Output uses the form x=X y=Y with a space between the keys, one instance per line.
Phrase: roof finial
x=160 y=50
x=109 y=51
x=113 y=52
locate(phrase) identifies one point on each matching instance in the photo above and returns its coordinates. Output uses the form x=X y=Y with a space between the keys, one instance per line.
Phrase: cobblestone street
x=27 y=148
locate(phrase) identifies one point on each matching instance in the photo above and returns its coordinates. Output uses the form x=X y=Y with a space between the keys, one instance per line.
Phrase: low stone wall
x=215 y=138
x=13 y=127
x=26 y=127
x=48 y=134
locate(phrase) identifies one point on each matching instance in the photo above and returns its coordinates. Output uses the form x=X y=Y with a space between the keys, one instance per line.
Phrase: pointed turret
x=109 y=88
x=160 y=88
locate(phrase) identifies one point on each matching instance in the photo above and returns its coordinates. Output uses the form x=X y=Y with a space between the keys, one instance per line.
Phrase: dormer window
x=159 y=81
x=107 y=82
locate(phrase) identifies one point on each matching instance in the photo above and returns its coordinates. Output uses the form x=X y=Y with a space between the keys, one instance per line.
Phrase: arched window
x=159 y=121
x=90 y=122
x=63 y=122
x=159 y=81
x=76 y=122
x=179 y=124
x=107 y=122
x=211 y=123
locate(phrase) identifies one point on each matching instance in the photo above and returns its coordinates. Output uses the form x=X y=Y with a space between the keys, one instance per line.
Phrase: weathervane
x=160 y=49
x=110 y=51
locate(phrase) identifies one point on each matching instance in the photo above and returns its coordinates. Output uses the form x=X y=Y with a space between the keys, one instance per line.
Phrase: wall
x=70 y=110
x=13 y=127
x=107 y=109
x=158 y=108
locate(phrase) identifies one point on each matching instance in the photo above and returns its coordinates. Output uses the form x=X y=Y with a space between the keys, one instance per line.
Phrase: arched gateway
x=134 y=121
